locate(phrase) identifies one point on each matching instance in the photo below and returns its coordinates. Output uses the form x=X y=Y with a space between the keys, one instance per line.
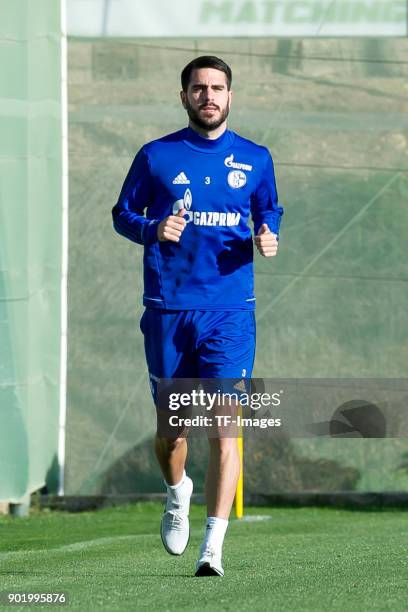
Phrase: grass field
x=312 y=558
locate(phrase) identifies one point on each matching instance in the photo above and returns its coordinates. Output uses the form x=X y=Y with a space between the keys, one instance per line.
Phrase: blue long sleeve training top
x=219 y=183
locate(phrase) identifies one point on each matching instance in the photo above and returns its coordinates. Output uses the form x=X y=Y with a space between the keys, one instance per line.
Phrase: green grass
x=313 y=559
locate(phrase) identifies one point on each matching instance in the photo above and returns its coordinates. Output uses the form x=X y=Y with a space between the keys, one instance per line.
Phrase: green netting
x=30 y=244
x=332 y=304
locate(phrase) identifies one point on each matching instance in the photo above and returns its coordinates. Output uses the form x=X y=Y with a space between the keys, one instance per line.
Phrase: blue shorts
x=198 y=343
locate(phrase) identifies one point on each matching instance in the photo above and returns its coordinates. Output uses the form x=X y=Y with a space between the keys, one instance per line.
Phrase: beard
x=210 y=123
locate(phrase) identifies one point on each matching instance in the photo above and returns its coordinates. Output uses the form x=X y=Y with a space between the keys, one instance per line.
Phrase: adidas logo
x=240 y=386
x=181 y=179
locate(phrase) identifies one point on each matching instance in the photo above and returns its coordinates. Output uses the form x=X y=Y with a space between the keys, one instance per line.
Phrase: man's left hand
x=266 y=241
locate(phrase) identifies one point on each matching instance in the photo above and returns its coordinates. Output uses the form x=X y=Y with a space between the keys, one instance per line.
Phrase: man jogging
x=188 y=198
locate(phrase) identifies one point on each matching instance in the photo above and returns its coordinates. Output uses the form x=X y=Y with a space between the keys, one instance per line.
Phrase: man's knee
x=223 y=445
x=170 y=444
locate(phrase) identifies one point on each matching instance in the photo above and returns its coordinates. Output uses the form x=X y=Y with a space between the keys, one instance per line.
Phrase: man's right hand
x=172 y=227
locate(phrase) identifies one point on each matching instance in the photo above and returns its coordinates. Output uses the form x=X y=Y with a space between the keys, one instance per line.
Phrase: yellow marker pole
x=239 y=494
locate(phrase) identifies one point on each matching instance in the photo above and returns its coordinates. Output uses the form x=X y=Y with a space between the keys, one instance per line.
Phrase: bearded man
x=187 y=199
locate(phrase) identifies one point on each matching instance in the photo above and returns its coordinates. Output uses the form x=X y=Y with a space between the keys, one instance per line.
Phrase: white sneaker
x=209 y=563
x=175 y=526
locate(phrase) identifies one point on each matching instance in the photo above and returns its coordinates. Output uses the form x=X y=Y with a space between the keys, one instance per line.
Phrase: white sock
x=175 y=492
x=214 y=533
x=173 y=487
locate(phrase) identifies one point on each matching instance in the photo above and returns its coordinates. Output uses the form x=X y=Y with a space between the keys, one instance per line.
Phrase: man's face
x=207 y=99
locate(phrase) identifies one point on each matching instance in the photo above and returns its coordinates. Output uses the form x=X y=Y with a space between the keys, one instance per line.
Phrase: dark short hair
x=205 y=61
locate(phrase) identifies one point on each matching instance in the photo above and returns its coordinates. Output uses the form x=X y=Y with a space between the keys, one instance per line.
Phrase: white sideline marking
x=74 y=547
x=253 y=518
x=78 y=546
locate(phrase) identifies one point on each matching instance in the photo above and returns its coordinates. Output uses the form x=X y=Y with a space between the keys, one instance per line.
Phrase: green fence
x=332 y=304
x=30 y=244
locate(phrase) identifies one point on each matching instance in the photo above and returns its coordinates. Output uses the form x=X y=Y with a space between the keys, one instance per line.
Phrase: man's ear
x=183 y=96
x=230 y=96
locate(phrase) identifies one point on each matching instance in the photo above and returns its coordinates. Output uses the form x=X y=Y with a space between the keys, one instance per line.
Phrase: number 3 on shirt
x=207 y=180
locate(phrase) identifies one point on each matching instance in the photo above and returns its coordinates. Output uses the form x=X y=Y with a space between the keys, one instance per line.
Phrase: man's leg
x=220 y=486
x=167 y=359
x=222 y=476
x=171 y=455
x=227 y=351
x=175 y=528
